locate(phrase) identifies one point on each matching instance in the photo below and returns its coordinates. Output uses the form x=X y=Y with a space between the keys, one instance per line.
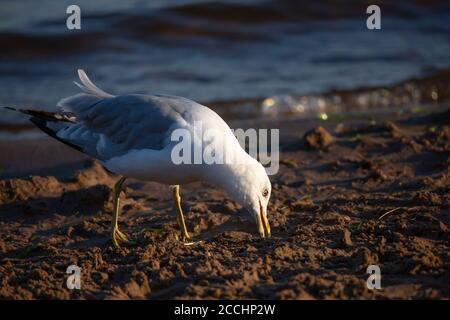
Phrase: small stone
x=394 y=131
x=70 y=231
x=442 y=227
x=318 y=138
x=346 y=240
x=378 y=174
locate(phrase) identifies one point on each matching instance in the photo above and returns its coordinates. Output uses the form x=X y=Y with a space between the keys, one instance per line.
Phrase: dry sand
x=325 y=208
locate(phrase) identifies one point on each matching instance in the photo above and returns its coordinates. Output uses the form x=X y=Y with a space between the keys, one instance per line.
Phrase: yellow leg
x=176 y=199
x=116 y=235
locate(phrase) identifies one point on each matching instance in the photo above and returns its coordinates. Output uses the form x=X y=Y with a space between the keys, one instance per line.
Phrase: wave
x=191 y=23
x=24 y=46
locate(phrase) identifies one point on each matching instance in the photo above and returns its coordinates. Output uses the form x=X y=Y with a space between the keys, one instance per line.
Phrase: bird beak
x=263 y=223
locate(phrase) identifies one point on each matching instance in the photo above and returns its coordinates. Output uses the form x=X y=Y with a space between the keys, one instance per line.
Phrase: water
x=211 y=51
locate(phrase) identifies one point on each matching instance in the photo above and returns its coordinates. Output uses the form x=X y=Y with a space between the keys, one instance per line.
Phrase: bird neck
x=231 y=176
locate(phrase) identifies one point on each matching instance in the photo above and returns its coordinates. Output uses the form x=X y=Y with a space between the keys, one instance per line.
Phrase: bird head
x=251 y=188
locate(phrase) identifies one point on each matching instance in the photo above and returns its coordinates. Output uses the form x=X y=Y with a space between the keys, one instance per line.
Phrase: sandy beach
x=371 y=189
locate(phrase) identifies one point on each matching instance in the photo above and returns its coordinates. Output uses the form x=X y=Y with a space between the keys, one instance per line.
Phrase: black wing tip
x=9 y=108
x=40 y=118
x=42 y=124
x=46 y=115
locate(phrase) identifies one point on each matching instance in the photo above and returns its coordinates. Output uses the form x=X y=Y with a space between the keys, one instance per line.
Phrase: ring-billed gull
x=131 y=136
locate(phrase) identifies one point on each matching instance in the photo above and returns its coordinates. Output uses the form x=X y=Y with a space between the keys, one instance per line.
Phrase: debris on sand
x=378 y=175
x=427 y=198
x=394 y=131
x=438 y=139
x=346 y=240
x=289 y=163
x=442 y=228
x=318 y=138
x=388 y=212
x=305 y=203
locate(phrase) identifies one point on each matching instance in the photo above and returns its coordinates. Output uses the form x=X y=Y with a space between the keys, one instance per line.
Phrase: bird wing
x=121 y=124
x=105 y=126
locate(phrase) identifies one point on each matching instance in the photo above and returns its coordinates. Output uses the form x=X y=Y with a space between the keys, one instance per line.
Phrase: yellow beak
x=263 y=223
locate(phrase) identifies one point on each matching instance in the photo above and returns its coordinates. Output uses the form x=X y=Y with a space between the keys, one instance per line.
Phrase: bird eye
x=265 y=193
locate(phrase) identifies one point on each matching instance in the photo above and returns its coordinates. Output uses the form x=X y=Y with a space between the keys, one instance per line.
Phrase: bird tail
x=89 y=87
x=49 y=122
x=44 y=115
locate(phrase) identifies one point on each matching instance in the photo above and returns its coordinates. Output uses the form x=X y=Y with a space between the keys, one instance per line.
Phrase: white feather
x=89 y=87
x=77 y=102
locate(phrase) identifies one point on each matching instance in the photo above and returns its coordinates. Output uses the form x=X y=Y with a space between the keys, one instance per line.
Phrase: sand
x=333 y=186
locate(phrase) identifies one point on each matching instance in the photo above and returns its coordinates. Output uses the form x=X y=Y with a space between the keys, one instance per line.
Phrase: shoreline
x=432 y=90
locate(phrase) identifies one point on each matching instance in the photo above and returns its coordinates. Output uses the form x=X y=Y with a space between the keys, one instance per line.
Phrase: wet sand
x=376 y=191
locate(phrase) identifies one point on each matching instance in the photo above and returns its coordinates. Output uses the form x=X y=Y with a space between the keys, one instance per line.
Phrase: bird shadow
x=237 y=226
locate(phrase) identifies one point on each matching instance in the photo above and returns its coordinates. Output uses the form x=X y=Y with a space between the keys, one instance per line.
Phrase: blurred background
x=247 y=56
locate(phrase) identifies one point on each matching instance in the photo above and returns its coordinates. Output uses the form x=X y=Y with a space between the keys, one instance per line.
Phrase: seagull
x=130 y=135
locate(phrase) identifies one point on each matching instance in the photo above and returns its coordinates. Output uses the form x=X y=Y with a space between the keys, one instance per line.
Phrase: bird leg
x=180 y=218
x=116 y=235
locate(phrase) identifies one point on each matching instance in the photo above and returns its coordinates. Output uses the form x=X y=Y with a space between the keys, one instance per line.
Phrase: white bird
x=131 y=136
